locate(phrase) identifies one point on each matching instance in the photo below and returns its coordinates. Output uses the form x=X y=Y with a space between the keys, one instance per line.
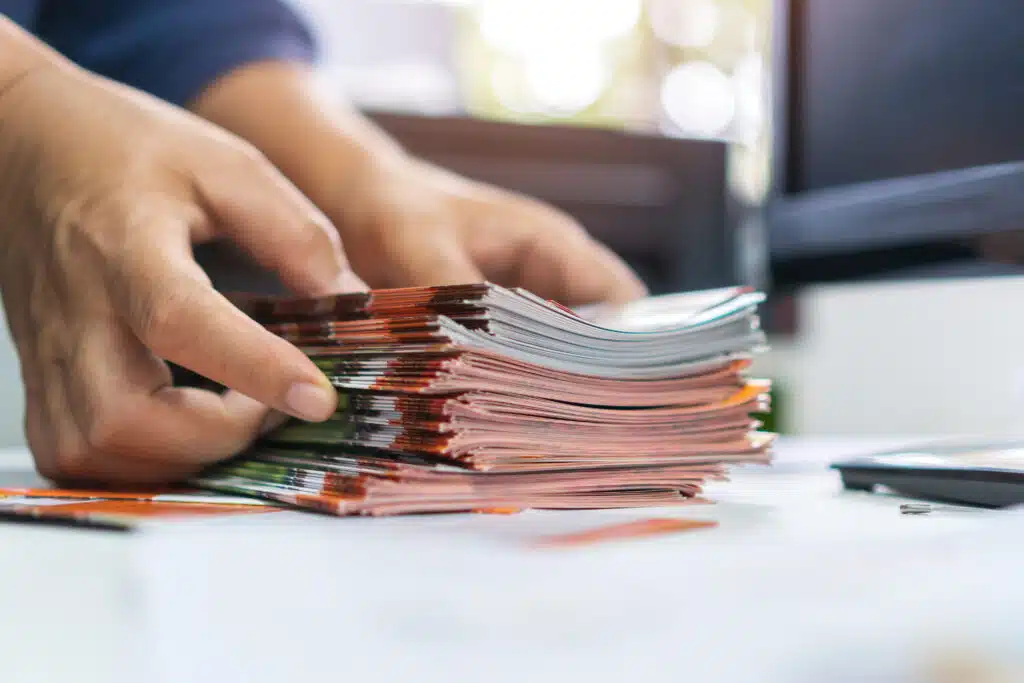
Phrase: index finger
x=173 y=310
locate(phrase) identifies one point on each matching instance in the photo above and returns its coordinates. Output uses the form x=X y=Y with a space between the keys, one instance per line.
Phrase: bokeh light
x=569 y=83
x=520 y=27
x=699 y=99
x=685 y=23
x=749 y=80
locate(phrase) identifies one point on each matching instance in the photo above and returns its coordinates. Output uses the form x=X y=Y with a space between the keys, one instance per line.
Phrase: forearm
x=313 y=140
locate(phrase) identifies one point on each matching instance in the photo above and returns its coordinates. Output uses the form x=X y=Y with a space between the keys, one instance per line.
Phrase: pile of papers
x=477 y=397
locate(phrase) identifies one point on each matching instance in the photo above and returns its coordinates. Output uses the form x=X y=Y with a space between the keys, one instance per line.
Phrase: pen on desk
x=66 y=522
x=915 y=508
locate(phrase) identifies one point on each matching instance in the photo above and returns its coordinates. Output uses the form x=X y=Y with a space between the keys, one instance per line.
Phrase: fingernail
x=310 y=402
x=350 y=282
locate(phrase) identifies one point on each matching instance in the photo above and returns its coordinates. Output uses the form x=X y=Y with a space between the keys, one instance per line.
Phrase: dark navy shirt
x=169 y=48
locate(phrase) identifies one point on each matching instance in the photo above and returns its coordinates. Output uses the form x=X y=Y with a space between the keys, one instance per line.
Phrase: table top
x=801 y=581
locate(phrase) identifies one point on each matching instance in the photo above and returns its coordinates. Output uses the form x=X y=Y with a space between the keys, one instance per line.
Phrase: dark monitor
x=899 y=132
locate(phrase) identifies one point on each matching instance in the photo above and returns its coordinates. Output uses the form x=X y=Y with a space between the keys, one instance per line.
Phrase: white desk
x=801 y=583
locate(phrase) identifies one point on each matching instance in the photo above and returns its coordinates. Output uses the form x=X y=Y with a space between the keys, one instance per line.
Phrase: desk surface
x=801 y=582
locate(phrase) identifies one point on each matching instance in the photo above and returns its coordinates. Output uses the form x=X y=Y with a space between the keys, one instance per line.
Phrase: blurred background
x=861 y=161
x=677 y=67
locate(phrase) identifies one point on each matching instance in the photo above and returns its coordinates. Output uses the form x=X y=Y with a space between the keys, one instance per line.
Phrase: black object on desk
x=895 y=140
x=981 y=474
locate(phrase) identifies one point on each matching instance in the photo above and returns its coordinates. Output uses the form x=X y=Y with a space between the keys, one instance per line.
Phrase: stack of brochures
x=477 y=397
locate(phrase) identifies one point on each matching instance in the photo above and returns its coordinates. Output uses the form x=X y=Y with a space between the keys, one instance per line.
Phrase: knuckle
x=313 y=241
x=162 y=319
x=59 y=455
x=109 y=429
x=563 y=225
x=86 y=225
x=546 y=217
x=69 y=462
x=52 y=465
x=49 y=460
x=247 y=154
x=239 y=158
x=308 y=248
x=48 y=468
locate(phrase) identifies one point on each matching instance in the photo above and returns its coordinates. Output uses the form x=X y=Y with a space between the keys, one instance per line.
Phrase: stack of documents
x=477 y=397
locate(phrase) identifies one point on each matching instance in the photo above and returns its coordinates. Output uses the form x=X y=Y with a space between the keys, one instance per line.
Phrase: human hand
x=405 y=222
x=103 y=192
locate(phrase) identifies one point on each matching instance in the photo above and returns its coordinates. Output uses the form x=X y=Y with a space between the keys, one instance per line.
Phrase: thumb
x=263 y=213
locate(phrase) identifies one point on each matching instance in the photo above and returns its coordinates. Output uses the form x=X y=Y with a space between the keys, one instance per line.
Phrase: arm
x=404 y=222
x=172 y=49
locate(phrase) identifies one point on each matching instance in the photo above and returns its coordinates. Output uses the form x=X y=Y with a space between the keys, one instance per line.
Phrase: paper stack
x=477 y=397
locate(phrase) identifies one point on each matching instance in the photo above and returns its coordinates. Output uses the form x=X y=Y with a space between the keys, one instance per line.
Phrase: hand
x=403 y=221
x=406 y=222
x=103 y=191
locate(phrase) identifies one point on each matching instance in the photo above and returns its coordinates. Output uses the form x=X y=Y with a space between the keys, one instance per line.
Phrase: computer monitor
x=898 y=134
